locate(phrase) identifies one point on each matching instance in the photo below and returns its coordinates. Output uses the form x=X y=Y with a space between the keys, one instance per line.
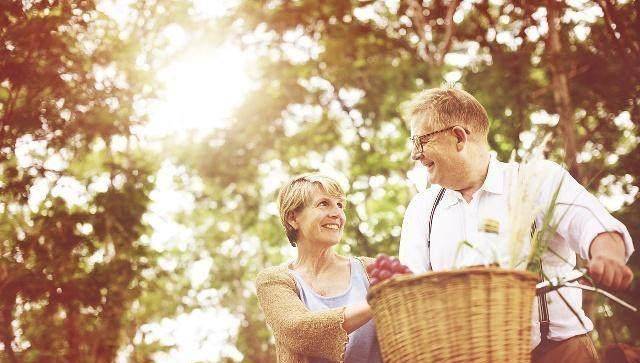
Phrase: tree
x=77 y=273
x=334 y=74
x=74 y=185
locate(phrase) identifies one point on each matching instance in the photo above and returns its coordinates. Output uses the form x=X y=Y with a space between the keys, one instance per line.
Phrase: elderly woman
x=316 y=305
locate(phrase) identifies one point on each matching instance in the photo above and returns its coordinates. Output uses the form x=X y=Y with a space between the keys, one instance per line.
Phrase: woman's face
x=322 y=221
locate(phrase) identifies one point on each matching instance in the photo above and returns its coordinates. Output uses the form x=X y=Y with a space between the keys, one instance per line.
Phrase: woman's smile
x=332 y=226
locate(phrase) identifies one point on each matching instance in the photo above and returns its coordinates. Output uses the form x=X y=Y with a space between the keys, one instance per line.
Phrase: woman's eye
x=340 y=205
x=323 y=204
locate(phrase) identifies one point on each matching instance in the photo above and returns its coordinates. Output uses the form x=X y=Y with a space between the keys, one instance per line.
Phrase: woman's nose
x=336 y=212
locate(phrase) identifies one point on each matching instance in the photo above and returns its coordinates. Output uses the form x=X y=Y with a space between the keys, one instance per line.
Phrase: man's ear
x=462 y=137
x=291 y=219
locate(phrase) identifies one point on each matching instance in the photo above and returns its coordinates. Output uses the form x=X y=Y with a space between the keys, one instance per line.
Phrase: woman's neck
x=315 y=259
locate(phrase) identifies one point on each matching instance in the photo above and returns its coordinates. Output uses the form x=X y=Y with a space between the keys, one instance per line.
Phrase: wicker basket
x=470 y=315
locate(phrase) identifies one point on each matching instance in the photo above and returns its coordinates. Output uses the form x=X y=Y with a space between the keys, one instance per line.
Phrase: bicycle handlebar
x=570 y=280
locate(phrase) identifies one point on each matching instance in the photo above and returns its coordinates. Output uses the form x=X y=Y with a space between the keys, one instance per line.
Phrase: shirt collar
x=494 y=182
x=450 y=198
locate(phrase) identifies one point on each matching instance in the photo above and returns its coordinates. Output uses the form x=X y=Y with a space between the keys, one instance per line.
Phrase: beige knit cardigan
x=300 y=333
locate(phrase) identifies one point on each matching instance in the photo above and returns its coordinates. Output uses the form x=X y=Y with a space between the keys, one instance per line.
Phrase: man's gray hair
x=445 y=107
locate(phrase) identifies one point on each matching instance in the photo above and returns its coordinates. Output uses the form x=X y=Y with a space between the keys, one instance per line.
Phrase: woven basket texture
x=471 y=315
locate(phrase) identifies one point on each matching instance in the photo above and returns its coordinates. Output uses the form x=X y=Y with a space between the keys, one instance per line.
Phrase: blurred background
x=142 y=144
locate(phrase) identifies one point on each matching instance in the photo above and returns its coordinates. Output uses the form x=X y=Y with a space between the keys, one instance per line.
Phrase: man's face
x=440 y=154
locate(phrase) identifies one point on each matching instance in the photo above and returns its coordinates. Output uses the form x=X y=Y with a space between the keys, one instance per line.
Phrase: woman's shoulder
x=275 y=273
x=366 y=261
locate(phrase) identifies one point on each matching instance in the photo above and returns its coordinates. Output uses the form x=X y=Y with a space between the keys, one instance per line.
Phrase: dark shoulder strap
x=543 y=308
x=430 y=222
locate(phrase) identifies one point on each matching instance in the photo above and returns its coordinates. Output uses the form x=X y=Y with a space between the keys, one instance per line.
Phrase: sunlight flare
x=200 y=91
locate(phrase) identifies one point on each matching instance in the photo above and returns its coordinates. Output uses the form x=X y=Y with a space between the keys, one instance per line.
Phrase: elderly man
x=449 y=131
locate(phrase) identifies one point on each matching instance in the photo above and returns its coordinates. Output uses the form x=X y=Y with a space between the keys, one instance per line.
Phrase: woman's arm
x=356 y=316
x=319 y=334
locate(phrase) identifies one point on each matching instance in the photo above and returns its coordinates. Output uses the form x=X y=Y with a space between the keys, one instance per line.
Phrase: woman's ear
x=291 y=219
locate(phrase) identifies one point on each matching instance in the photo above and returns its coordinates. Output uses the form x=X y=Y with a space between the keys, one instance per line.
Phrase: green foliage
x=331 y=77
x=77 y=278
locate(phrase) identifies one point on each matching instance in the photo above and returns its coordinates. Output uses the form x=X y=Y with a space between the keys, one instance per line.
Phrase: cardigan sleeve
x=316 y=334
x=366 y=261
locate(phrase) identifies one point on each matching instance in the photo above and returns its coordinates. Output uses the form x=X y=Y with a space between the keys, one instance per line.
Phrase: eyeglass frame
x=419 y=141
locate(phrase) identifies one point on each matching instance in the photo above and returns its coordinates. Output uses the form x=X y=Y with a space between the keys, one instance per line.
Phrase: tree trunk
x=71 y=326
x=560 y=83
x=562 y=98
x=6 y=329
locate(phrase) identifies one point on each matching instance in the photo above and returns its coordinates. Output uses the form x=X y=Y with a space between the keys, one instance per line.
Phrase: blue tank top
x=363 y=344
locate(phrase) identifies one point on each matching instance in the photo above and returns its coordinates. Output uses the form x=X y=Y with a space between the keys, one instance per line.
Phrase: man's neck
x=476 y=178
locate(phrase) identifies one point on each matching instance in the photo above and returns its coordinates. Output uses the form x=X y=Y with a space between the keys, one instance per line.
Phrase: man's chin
x=442 y=183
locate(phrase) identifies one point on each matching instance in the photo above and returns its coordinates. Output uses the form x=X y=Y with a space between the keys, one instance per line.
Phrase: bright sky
x=202 y=85
x=202 y=88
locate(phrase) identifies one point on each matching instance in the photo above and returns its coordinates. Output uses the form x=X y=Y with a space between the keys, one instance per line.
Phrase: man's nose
x=415 y=155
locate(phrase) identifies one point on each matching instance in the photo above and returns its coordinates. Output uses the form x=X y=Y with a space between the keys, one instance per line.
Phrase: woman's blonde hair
x=297 y=194
x=444 y=107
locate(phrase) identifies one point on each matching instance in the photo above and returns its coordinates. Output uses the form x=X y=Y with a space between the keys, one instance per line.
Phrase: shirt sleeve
x=579 y=214
x=413 y=237
x=317 y=334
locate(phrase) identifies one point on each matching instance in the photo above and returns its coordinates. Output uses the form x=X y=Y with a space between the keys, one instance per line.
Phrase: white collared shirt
x=455 y=221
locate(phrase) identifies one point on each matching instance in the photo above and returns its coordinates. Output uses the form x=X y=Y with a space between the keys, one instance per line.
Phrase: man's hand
x=607 y=264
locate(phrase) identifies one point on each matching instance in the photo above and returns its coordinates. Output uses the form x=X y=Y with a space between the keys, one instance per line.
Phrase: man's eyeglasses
x=420 y=140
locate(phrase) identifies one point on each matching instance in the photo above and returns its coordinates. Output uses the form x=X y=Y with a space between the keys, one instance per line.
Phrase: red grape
x=370 y=268
x=381 y=256
x=395 y=266
x=384 y=274
x=383 y=264
x=374 y=273
x=385 y=267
